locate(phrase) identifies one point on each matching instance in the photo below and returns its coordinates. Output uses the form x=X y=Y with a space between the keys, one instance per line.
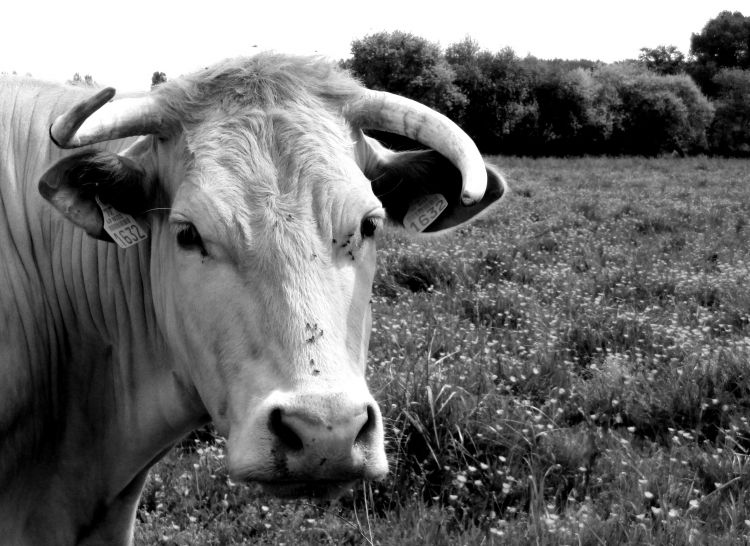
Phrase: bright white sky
x=123 y=43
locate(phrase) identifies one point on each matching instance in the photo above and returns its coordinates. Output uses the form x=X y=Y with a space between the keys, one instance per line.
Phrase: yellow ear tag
x=123 y=228
x=424 y=211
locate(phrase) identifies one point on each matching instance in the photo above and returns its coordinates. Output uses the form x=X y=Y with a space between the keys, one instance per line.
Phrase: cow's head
x=263 y=198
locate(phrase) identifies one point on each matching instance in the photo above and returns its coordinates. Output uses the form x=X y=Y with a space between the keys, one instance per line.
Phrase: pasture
x=573 y=369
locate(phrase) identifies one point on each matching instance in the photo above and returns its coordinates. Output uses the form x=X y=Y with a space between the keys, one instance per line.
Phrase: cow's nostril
x=283 y=432
x=367 y=428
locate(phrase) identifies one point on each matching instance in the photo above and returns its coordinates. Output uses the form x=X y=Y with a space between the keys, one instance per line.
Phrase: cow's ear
x=421 y=190
x=73 y=184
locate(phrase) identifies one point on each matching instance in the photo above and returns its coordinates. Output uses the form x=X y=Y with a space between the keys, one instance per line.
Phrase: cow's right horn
x=96 y=119
x=388 y=112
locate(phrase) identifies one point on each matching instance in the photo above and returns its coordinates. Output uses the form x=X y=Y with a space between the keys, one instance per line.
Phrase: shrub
x=653 y=114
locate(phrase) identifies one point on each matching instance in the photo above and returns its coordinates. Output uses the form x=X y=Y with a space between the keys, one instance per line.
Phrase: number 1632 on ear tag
x=424 y=211
x=123 y=228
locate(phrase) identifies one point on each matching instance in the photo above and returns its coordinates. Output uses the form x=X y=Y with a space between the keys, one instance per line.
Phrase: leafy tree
x=723 y=43
x=408 y=65
x=463 y=58
x=572 y=120
x=157 y=78
x=665 y=60
x=730 y=132
x=500 y=109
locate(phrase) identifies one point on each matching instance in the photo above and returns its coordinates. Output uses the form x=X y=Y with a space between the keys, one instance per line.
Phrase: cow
x=203 y=252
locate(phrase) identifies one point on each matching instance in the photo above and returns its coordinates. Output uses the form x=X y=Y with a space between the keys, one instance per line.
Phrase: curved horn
x=388 y=112
x=96 y=119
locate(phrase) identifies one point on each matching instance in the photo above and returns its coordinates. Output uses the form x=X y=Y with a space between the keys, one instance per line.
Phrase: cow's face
x=266 y=263
x=262 y=260
x=263 y=215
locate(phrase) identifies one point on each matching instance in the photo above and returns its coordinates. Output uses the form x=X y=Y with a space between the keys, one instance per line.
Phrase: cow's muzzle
x=311 y=444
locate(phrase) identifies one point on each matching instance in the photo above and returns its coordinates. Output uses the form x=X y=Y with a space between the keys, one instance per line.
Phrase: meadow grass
x=572 y=369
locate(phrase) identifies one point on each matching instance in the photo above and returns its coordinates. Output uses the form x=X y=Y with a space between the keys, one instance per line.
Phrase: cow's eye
x=189 y=239
x=369 y=226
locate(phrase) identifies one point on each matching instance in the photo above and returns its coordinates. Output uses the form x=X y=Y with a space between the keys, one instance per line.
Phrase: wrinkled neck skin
x=91 y=395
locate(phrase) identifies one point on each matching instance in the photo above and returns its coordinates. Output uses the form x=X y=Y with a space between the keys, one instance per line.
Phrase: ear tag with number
x=123 y=228
x=424 y=211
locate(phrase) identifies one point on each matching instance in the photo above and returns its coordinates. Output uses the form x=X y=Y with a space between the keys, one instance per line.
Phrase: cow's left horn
x=388 y=112
x=96 y=119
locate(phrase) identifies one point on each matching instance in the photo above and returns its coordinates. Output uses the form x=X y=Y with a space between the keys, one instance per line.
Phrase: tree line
x=661 y=102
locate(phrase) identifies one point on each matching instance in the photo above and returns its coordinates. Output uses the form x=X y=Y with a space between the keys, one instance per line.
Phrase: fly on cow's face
x=314 y=331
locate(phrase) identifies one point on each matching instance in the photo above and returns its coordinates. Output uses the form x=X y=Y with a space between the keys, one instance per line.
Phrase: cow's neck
x=121 y=404
x=98 y=401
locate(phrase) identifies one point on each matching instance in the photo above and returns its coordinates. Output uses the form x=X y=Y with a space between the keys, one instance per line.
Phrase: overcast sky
x=123 y=43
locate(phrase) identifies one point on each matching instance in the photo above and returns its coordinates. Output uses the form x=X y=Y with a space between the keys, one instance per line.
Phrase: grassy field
x=574 y=369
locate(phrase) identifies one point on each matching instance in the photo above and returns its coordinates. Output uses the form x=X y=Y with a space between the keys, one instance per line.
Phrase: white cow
x=244 y=298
